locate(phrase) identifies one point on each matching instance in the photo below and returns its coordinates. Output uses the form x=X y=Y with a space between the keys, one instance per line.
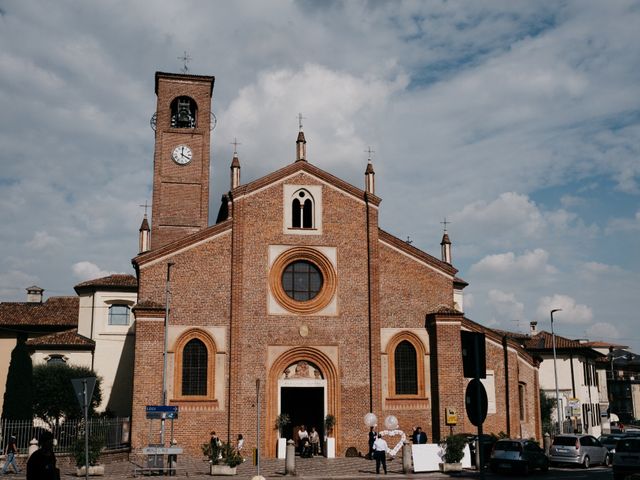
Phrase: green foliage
x=96 y=443
x=282 y=421
x=54 y=396
x=18 y=395
x=329 y=423
x=222 y=453
x=546 y=407
x=454 y=448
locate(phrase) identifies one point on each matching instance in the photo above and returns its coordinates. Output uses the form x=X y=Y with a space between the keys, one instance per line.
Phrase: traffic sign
x=476 y=402
x=162 y=411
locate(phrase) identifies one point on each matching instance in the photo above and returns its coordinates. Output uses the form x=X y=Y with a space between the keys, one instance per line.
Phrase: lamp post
x=555 y=370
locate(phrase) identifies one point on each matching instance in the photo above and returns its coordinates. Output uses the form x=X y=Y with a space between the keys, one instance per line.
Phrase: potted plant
x=95 y=447
x=454 y=451
x=223 y=457
x=330 y=445
x=282 y=421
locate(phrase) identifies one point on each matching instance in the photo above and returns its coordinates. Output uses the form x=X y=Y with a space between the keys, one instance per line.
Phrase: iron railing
x=114 y=432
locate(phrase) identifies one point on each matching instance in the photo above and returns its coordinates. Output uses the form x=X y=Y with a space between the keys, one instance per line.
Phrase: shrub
x=222 y=453
x=95 y=447
x=454 y=448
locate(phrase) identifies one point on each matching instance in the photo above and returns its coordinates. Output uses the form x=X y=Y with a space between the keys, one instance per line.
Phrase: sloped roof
x=56 y=311
x=542 y=342
x=118 y=281
x=68 y=338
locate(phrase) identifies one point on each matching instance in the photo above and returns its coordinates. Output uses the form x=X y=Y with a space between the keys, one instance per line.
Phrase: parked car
x=583 y=450
x=627 y=457
x=518 y=454
x=610 y=441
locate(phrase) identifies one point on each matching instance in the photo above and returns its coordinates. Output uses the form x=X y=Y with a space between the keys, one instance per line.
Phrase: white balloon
x=370 y=420
x=391 y=422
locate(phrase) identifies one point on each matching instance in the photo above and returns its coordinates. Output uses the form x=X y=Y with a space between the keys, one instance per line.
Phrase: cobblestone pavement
x=307 y=468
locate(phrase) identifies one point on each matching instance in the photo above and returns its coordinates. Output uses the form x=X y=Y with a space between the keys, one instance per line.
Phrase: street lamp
x=555 y=370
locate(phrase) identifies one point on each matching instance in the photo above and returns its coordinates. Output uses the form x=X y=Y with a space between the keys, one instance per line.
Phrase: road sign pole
x=86 y=428
x=479 y=406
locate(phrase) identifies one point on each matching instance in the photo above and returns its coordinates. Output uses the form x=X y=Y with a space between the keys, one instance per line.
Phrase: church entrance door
x=305 y=406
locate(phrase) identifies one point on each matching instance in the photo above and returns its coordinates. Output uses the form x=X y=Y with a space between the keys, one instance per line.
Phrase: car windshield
x=628 y=445
x=609 y=438
x=508 y=446
x=565 y=441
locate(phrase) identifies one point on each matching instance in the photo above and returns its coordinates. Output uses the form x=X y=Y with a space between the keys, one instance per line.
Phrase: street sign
x=162 y=411
x=451 y=416
x=476 y=402
x=78 y=387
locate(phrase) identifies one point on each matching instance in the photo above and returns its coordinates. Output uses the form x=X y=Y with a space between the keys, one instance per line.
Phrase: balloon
x=370 y=420
x=391 y=422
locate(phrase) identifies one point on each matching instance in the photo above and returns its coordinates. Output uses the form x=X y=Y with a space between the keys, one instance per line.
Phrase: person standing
x=42 y=464
x=419 y=437
x=10 y=451
x=380 y=448
x=372 y=438
x=303 y=438
x=314 y=439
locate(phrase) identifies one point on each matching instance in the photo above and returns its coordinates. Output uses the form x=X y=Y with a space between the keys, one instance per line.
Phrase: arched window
x=119 y=314
x=302 y=210
x=406 y=366
x=194 y=368
x=183 y=113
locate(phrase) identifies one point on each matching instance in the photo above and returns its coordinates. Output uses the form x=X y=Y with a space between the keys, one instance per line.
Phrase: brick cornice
x=310 y=169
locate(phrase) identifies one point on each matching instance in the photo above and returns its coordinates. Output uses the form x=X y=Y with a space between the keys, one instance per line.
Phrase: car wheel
x=607 y=460
x=586 y=463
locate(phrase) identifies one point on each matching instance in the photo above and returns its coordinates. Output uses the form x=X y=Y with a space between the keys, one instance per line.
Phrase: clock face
x=182 y=155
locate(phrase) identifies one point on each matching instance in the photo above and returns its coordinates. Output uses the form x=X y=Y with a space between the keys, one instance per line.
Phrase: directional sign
x=162 y=411
x=476 y=402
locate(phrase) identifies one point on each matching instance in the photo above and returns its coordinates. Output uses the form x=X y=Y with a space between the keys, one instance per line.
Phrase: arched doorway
x=302 y=382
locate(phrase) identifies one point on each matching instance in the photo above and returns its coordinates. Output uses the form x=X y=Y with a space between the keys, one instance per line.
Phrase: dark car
x=518 y=455
x=610 y=441
x=578 y=449
x=487 y=446
x=627 y=457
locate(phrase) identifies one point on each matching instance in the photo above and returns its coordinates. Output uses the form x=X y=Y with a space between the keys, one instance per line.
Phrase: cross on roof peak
x=235 y=144
x=186 y=58
x=145 y=206
x=445 y=223
x=300 y=118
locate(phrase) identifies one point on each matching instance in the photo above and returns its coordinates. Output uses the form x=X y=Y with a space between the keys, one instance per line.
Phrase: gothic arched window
x=302 y=210
x=183 y=113
x=194 y=368
x=406 y=369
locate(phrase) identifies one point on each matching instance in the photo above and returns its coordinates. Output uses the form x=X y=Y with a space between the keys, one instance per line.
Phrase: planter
x=222 y=470
x=330 y=447
x=94 y=470
x=450 y=467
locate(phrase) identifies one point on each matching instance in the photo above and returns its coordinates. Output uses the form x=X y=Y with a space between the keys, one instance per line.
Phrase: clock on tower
x=181 y=160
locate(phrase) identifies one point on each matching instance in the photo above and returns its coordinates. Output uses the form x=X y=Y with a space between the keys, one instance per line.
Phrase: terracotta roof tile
x=116 y=281
x=56 y=311
x=67 y=338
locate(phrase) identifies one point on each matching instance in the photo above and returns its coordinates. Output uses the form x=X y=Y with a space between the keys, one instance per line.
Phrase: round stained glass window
x=302 y=280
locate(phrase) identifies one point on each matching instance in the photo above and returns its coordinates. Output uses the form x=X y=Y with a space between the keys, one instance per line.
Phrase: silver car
x=583 y=450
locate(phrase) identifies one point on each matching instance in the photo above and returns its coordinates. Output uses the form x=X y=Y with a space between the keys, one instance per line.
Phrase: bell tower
x=181 y=158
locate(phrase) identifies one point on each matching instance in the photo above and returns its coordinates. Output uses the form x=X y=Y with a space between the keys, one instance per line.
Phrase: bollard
x=547 y=443
x=290 y=459
x=478 y=446
x=406 y=458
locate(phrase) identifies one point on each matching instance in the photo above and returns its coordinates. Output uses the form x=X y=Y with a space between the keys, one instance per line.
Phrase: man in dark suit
x=372 y=438
x=419 y=437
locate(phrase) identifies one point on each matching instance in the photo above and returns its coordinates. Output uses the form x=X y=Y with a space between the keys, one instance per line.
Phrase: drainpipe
x=507 y=400
x=93 y=304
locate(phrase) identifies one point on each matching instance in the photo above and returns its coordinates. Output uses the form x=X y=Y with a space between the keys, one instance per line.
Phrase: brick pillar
x=447 y=381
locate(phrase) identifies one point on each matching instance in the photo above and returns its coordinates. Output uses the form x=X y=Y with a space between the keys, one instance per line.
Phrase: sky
x=518 y=122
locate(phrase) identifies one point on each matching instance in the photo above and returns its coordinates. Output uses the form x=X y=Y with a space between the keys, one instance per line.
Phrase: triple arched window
x=194 y=366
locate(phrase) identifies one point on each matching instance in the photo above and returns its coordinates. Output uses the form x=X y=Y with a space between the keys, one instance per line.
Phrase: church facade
x=297 y=298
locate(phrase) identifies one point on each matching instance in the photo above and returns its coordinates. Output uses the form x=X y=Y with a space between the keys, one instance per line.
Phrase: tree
x=54 y=396
x=18 y=395
x=547 y=405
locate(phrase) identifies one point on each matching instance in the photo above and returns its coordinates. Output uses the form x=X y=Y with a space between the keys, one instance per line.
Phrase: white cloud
x=506 y=305
x=603 y=331
x=42 y=240
x=87 y=271
x=529 y=263
x=624 y=224
x=572 y=312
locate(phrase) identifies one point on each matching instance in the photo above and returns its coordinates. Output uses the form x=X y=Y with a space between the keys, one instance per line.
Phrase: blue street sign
x=162 y=411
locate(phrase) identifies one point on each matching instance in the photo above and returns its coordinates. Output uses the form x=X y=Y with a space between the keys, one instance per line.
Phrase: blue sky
x=518 y=121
